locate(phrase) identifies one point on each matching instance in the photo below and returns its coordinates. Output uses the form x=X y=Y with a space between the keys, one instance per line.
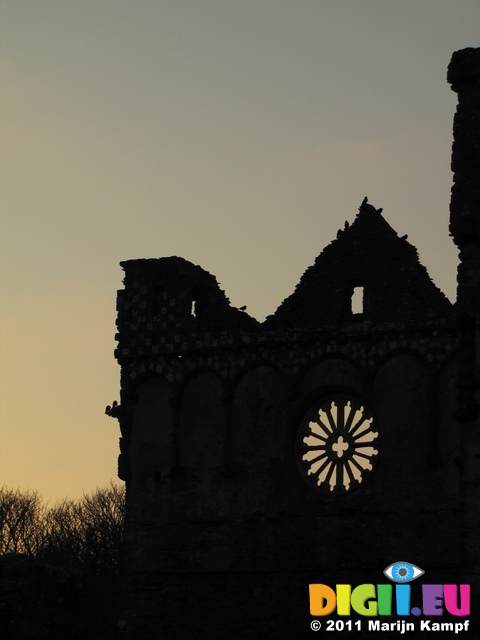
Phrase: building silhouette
x=337 y=437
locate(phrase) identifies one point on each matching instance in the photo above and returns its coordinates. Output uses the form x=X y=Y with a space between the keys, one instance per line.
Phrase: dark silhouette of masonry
x=337 y=437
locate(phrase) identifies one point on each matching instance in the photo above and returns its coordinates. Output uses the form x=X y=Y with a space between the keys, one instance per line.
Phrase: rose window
x=336 y=444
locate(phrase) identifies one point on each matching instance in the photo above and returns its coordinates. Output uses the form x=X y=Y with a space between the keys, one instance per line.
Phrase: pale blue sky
x=237 y=134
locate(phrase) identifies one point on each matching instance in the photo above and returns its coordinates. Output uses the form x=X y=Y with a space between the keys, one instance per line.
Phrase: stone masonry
x=318 y=446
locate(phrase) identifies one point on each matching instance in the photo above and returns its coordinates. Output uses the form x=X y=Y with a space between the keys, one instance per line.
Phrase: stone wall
x=464 y=76
x=319 y=446
x=219 y=514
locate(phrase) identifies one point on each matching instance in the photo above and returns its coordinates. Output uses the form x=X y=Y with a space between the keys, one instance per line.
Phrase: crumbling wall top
x=464 y=69
x=167 y=303
x=367 y=257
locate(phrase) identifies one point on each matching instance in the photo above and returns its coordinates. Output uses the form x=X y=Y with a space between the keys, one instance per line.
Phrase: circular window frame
x=336 y=446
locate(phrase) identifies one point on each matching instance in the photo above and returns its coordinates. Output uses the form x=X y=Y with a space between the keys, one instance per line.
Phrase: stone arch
x=329 y=373
x=405 y=404
x=409 y=351
x=151 y=450
x=203 y=420
x=258 y=423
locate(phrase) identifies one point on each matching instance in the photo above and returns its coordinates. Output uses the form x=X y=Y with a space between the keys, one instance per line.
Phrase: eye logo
x=403 y=572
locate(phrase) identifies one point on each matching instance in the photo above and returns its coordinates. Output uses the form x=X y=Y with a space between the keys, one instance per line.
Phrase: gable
x=369 y=258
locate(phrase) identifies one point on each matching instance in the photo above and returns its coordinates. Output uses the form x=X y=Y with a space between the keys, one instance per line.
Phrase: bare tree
x=22 y=522
x=102 y=515
x=86 y=533
x=75 y=548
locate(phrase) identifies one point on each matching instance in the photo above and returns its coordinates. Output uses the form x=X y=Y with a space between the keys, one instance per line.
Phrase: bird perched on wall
x=110 y=410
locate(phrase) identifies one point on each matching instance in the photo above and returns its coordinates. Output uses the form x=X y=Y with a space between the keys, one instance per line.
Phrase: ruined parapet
x=170 y=305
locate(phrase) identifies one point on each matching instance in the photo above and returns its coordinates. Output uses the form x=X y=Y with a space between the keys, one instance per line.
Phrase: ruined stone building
x=317 y=447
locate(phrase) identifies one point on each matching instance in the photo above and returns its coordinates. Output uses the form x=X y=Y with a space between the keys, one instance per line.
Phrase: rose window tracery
x=336 y=444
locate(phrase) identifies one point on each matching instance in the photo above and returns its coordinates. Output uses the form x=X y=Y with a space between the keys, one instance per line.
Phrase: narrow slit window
x=357 y=301
x=192 y=310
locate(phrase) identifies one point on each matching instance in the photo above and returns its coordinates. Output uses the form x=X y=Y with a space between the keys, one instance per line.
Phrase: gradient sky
x=237 y=134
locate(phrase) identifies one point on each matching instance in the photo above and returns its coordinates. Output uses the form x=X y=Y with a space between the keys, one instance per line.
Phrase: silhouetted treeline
x=85 y=533
x=59 y=565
